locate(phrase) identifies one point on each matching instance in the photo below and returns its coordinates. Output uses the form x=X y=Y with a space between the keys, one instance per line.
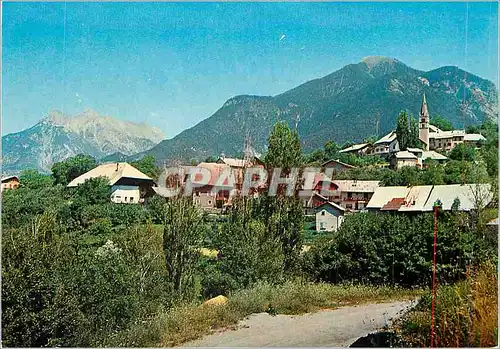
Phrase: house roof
x=422 y=198
x=433 y=128
x=416 y=198
x=383 y=195
x=357 y=186
x=232 y=162
x=331 y=204
x=388 y=138
x=338 y=162
x=237 y=162
x=433 y=155
x=468 y=194
x=415 y=150
x=8 y=178
x=393 y=205
x=404 y=154
x=215 y=171
x=113 y=171
x=355 y=147
x=447 y=134
x=474 y=137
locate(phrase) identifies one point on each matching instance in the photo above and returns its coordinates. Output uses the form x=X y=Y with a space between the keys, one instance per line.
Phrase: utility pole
x=437 y=205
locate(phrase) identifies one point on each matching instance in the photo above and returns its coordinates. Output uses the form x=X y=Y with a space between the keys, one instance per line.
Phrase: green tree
x=212 y=158
x=284 y=148
x=283 y=215
x=331 y=150
x=463 y=152
x=407 y=131
x=147 y=165
x=433 y=173
x=441 y=123
x=93 y=191
x=247 y=253
x=317 y=156
x=33 y=179
x=67 y=170
x=182 y=236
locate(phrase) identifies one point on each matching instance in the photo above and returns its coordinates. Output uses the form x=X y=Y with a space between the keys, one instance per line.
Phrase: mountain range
x=350 y=104
x=58 y=136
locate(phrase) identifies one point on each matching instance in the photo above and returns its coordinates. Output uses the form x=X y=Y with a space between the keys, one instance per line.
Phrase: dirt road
x=326 y=328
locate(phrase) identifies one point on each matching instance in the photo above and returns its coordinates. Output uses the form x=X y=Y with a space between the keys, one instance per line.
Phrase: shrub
x=395 y=249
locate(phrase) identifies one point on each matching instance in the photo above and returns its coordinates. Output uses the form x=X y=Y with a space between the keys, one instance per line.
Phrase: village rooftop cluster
x=213 y=186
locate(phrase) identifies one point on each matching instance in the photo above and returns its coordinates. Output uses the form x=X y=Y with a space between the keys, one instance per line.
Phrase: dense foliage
x=397 y=249
x=67 y=170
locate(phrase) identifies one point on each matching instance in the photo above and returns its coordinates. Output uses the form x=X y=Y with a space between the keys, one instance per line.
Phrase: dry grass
x=189 y=322
x=466 y=313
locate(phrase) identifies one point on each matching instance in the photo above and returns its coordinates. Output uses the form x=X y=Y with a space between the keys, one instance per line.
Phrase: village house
x=386 y=145
x=354 y=194
x=329 y=217
x=422 y=198
x=403 y=158
x=213 y=196
x=423 y=155
x=128 y=184
x=10 y=182
x=336 y=166
x=357 y=149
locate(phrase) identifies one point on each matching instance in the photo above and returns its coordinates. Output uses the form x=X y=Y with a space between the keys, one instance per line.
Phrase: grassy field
x=191 y=321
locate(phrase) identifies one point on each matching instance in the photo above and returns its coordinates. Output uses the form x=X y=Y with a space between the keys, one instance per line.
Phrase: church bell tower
x=423 y=124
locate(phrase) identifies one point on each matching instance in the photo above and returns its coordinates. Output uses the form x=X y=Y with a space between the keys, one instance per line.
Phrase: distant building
x=337 y=166
x=10 y=182
x=128 y=184
x=402 y=159
x=329 y=216
x=354 y=194
x=386 y=145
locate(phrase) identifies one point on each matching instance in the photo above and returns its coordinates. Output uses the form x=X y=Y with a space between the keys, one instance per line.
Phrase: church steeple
x=424 y=124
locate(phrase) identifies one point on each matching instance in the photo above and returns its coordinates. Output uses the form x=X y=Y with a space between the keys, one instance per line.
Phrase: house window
x=210 y=202
x=197 y=193
x=131 y=199
x=349 y=196
x=323 y=212
x=322 y=225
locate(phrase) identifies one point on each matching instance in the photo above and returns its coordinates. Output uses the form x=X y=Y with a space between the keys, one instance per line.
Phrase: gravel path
x=326 y=328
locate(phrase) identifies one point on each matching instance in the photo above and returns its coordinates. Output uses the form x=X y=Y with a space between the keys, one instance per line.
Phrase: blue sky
x=174 y=64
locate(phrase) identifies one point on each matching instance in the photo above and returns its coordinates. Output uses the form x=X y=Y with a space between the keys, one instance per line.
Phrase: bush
x=395 y=249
